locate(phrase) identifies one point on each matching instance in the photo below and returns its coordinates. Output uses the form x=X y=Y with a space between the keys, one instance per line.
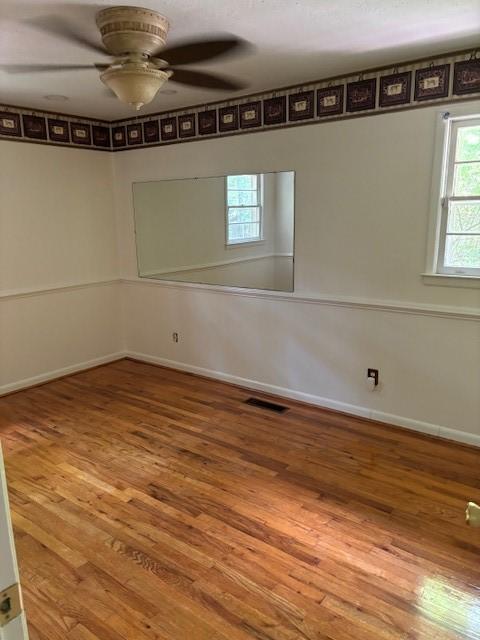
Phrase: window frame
x=259 y=206
x=452 y=127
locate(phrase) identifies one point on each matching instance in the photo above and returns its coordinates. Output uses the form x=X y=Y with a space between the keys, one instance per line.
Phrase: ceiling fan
x=141 y=64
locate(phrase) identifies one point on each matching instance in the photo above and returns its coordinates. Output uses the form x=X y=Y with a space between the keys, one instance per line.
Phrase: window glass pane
x=466 y=181
x=468 y=144
x=250 y=215
x=462 y=251
x=234 y=232
x=244 y=231
x=242 y=182
x=241 y=197
x=243 y=208
x=464 y=217
x=246 y=214
x=234 y=215
x=254 y=230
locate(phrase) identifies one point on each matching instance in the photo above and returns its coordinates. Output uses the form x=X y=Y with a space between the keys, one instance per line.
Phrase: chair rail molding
x=371 y=304
x=58 y=288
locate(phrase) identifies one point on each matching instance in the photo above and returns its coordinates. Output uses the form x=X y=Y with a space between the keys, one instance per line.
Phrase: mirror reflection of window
x=244 y=209
x=234 y=231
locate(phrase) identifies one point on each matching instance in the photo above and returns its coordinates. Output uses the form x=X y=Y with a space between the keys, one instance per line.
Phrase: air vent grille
x=269 y=406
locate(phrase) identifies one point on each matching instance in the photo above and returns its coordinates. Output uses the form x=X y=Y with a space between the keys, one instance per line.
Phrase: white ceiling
x=296 y=41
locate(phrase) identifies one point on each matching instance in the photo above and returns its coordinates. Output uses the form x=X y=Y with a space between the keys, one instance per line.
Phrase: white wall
x=57 y=231
x=362 y=205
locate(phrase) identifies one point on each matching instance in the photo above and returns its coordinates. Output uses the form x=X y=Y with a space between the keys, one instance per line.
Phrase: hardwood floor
x=151 y=504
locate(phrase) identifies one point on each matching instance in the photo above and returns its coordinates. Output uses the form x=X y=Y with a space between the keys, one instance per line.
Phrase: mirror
x=235 y=230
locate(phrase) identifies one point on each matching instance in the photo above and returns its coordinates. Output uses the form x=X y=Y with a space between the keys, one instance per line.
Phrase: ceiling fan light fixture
x=136 y=85
x=135 y=38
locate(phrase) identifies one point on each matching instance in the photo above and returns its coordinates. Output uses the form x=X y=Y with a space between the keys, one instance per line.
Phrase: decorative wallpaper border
x=447 y=78
x=22 y=124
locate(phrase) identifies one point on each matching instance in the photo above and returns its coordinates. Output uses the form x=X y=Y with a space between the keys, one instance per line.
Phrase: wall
x=362 y=201
x=362 y=206
x=59 y=295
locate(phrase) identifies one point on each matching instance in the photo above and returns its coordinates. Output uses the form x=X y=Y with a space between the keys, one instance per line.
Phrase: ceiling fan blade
x=39 y=68
x=59 y=27
x=207 y=80
x=198 y=50
x=108 y=93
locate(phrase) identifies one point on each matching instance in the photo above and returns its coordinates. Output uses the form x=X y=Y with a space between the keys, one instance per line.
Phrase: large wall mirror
x=235 y=230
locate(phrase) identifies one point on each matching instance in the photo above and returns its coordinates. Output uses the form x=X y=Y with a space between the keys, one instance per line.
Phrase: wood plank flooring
x=151 y=504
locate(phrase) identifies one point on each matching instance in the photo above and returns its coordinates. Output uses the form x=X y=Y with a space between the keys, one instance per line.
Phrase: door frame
x=15 y=629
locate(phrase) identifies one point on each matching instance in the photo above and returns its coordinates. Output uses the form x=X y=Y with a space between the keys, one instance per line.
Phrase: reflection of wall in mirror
x=271 y=272
x=180 y=227
x=284 y=202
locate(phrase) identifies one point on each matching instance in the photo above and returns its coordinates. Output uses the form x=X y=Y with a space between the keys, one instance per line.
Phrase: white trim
x=450 y=280
x=447 y=196
x=438 y=174
x=393 y=306
x=9 y=567
x=247 y=243
x=319 y=401
x=59 y=373
x=437 y=311
x=440 y=193
x=213 y=265
x=26 y=293
x=16 y=629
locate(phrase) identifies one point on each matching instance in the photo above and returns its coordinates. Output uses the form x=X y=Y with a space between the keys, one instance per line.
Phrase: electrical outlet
x=373 y=373
x=175 y=336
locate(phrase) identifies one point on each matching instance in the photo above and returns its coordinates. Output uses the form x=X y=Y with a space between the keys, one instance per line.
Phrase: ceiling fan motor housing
x=127 y=30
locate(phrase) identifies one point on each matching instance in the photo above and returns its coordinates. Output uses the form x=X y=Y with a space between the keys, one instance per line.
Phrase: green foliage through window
x=462 y=229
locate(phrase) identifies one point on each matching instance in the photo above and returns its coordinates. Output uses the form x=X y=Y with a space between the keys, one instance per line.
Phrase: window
x=244 y=209
x=459 y=240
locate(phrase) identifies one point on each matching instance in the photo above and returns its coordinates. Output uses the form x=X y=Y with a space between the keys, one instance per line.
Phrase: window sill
x=250 y=243
x=447 y=280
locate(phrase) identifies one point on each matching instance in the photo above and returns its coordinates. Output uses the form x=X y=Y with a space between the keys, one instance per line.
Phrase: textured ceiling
x=295 y=41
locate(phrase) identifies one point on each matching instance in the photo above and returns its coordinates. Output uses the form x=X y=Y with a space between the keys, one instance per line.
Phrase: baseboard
x=59 y=373
x=319 y=401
